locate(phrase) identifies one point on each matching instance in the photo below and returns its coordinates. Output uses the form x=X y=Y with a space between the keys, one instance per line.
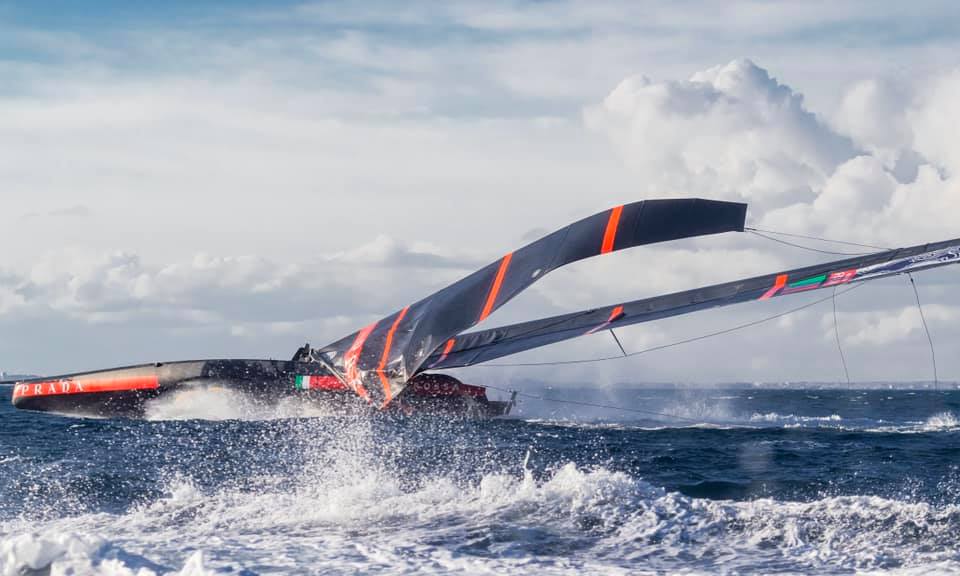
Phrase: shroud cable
x=923 y=319
x=836 y=332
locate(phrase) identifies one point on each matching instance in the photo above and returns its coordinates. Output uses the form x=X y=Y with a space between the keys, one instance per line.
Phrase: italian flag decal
x=808 y=284
x=312 y=382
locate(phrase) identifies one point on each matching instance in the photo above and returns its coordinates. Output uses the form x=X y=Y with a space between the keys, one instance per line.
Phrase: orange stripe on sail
x=388 y=396
x=610 y=234
x=615 y=314
x=780 y=282
x=351 y=362
x=446 y=351
x=495 y=289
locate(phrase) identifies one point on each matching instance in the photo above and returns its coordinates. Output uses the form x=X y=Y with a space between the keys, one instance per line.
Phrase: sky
x=231 y=179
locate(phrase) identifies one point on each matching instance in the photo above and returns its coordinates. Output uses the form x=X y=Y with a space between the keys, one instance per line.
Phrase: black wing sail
x=377 y=361
x=481 y=346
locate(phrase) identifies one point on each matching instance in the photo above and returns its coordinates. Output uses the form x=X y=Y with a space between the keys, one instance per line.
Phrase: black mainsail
x=377 y=361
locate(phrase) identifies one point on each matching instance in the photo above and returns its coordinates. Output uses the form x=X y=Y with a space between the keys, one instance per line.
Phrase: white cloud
x=364 y=163
x=886 y=327
x=210 y=289
x=730 y=131
x=935 y=121
x=734 y=132
x=873 y=113
x=383 y=250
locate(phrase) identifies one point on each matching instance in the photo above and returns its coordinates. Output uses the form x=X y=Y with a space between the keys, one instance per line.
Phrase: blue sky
x=189 y=179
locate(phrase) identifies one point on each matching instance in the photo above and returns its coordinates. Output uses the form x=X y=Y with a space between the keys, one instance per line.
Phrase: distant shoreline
x=875 y=385
x=11 y=379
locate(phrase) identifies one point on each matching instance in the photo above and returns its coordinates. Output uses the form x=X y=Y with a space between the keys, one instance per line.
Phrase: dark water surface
x=738 y=481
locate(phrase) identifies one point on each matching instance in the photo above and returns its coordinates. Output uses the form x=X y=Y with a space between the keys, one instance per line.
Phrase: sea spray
x=429 y=495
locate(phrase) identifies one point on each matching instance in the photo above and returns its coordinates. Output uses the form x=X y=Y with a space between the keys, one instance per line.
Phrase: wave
x=71 y=553
x=941 y=421
x=348 y=514
x=833 y=420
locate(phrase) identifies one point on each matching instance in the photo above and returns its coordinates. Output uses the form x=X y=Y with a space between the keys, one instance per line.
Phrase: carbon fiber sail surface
x=377 y=361
x=482 y=346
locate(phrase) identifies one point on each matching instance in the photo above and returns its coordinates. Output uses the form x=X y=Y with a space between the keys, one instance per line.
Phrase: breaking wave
x=71 y=553
x=349 y=513
x=773 y=489
x=941 y=421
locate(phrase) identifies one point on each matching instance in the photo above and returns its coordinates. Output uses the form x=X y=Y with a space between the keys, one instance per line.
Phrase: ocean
x=734 y=481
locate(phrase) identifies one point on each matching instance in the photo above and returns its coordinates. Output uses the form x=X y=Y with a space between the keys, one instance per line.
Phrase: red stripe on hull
x=81 y=385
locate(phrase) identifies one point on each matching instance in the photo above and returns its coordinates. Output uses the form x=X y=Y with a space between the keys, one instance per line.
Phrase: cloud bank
x=197 y=194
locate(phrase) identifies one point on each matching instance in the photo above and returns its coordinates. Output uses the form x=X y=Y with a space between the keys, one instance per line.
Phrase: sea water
x=719 y=481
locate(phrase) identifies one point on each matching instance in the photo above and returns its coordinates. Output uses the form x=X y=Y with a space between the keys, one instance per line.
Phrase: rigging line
x=670 y=344
x=617 y=340
x=751 y=229
x=923 y=319
x=836 y=332
x=607 y=406
x=831 y=252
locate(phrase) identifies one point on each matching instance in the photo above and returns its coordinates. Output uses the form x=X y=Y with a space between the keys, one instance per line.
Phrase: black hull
x=127 y=392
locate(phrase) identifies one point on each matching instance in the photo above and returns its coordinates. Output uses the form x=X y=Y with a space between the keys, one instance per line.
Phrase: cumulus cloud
x=359 y=169
x=731 y=131
x=117 y=286
x=886 y=327
x=384 y=250
x=934 y=118
x=904 y=189
x=881 y=173
x=873 y=113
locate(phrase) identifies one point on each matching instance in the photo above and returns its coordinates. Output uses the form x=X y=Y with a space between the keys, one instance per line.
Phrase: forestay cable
x=804 y=236
x=779 y=241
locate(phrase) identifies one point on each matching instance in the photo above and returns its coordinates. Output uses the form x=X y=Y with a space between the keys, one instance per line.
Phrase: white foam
x=941 y=421
x=64 y=553
x=350 y=512
x=352 y=516
x=833 y=420
x=215 y=402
